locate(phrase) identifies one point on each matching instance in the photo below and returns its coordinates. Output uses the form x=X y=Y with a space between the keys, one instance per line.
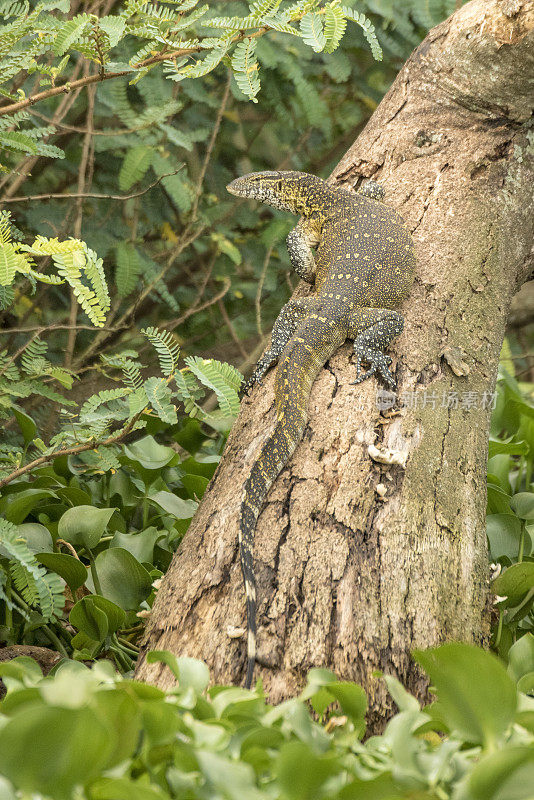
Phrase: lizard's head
x=281 y=189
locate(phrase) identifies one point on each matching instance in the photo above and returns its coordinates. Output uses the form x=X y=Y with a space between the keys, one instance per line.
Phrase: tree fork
x=350 y=577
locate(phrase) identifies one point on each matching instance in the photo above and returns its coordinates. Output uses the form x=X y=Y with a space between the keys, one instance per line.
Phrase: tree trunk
x=359 y=560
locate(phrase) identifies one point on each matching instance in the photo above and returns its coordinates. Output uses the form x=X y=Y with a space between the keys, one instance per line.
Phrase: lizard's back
x=365 y=256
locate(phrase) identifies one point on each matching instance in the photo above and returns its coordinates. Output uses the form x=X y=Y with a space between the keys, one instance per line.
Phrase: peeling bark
x=348 y=579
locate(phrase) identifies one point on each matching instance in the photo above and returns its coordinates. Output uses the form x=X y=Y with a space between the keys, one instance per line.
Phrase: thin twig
x=229 y=325
x=260 y=289
x=75 y=195
x=71 y=451
x=83 y=178
x=45 y=328
x=70 y=86
x=172 y=324
x=211 y=144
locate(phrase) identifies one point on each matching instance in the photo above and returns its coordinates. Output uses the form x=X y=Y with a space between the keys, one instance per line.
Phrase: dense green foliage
x=90 y=735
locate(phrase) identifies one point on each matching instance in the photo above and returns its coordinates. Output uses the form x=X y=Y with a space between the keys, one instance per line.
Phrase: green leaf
x=302 y=773
x=73 y=572
x=189 y=672
x=523 y=505
x=334 y=26
x=515 y=582
x=84 y=525
x=37 y=537
x=140 y=545
x=149 y=453
x=26 y=424
x=477 y=699
x=521 y=657
x=169 y=502
x=97 y=617
x=122 y=578
x=311 y=26
x=50 y=750
x=128 y=268
x=504 y=534
x=17 y=507
x=68 y=33
x=505 y=775
x=136 y=162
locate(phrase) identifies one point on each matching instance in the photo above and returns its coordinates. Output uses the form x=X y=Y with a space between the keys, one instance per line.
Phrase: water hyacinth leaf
x=124 y=789
x=71 y=569
x=189 y=672
x=515 y=582
x=523 y=505
x=149 y=453
x=26 y=425
x=84 y=525
x=140 y=545
x=89 y=619
x=169 y=502
x=123 y=579
x=521 y=657
x=477 y=698
x=504 y=533
x=37 y=537
x=302 y=773
x=122 y=714
x=50 y=750
x=503 y=775
x=18 y=506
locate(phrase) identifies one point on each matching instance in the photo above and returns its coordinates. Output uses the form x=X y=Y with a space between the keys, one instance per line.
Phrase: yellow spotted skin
x=363 y=266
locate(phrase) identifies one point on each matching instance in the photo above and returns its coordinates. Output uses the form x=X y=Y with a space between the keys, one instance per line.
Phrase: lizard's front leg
x=287 y=322
x=300 y=241
x=372 y=330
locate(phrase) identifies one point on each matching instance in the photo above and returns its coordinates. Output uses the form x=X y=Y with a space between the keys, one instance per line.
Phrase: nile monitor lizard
x=363 y=265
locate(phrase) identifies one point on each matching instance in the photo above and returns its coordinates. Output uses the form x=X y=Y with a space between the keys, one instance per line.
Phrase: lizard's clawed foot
x=379 y=364
x=247 y=386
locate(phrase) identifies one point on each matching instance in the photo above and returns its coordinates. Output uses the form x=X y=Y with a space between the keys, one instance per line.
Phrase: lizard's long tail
x=302 y=359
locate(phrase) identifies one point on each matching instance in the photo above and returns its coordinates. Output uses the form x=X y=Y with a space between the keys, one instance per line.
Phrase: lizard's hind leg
x=287 y=322
x=372 y=330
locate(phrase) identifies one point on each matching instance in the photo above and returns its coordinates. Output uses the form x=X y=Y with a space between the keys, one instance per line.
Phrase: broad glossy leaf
x=122 y=578
x=476 y=697
x=521 y=657
x=19 y=505
x=140 y=545
x=124 y=789
x=515 y=582
x=37 y=537
x=189 y=672
x=504 y=533
x=121 y=712
x=301 y=772
x=502 y=775
x=84 y=525
x=26 y=424
x=96 y=616
x=149 y=453
x=523 y=505
x=73 y=572
x=169 y=502
x=49 y=750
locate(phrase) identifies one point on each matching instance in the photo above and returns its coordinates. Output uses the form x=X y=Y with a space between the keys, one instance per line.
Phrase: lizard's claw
x=247 y=386
x=379 y=364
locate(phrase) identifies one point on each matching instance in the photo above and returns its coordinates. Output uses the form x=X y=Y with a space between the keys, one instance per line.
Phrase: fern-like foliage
x=246 y=68
x=166 y=348
x=39 y=589
x=223 y=379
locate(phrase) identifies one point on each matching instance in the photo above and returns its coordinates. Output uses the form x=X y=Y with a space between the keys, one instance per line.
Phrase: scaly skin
x=364 y=264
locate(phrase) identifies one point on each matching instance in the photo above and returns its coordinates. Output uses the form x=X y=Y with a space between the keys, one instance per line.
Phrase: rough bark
x=348 y=579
